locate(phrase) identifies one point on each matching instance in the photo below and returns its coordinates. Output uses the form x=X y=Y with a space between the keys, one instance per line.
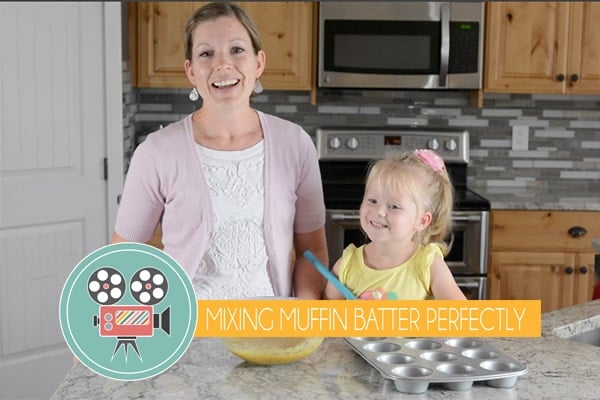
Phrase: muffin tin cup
x=455 y=363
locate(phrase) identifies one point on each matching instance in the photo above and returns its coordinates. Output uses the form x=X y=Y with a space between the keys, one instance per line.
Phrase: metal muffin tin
x=454 y=363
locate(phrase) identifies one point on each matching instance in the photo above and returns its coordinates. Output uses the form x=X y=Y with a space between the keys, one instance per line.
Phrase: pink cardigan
x=165 y=183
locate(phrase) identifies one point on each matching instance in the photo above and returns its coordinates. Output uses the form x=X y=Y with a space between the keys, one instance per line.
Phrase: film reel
x=106 y=286
x=149 y=286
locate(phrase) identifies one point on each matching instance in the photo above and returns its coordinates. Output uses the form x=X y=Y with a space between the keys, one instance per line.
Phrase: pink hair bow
x=434 y=161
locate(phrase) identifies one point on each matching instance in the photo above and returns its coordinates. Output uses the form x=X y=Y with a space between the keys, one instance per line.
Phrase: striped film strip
x=132 y=317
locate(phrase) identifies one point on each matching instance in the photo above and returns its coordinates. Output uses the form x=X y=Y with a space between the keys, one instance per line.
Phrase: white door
x=53 y=129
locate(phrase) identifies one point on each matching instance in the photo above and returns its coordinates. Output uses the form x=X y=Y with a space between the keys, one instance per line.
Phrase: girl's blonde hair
x=430 y=189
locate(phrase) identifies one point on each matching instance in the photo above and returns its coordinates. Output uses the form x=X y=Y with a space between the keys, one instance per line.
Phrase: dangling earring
x=258 y=87
x=194 y=95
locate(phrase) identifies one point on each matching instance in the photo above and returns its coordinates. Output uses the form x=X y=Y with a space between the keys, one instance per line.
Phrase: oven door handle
x=468 y=284
x=467 y=218
x=345 y=217
x=355 y=217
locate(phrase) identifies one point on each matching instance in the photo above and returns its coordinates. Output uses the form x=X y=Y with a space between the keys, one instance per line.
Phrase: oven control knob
x=433 y=144
x=335 y=142
x=451 y=145
x=352 y=143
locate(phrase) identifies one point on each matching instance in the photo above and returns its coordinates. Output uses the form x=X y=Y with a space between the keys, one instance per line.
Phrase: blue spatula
x=330 y=277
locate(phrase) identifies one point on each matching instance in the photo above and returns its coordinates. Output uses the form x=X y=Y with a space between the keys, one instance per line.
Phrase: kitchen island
x=558 y=368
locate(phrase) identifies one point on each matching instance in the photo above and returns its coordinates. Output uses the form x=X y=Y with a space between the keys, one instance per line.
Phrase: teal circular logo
x=128 y=311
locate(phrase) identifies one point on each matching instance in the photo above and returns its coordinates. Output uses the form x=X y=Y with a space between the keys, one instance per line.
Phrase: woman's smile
x=226 y=83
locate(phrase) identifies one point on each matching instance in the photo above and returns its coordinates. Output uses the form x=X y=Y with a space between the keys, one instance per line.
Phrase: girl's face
x=388 y=216
x=224 y=66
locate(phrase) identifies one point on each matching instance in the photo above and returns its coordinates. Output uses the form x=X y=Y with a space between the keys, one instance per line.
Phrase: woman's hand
x=307 y=280
x=331 y=292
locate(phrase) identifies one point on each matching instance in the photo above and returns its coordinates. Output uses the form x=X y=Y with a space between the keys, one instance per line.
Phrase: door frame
x=113 y=59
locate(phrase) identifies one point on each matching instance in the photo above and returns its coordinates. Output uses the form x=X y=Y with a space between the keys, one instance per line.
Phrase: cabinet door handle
x=577 y=231
x=583 y=269
x=569 y=270
x=574 y=78
x=560 y=77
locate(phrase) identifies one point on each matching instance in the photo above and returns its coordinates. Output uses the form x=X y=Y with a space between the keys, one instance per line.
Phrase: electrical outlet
x=520 y=137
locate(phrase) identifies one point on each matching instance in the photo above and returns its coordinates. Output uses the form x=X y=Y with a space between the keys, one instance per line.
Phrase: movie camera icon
x=106 y=286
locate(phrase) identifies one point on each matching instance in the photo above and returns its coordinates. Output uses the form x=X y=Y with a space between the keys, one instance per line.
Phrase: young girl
x=406 y=213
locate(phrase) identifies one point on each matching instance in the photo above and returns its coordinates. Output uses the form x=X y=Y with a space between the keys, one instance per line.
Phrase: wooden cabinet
x=286 y=30
x=542 y=47
x=538 y=255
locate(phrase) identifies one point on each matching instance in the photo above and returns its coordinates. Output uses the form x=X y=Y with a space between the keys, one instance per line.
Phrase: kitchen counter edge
x=556 y=199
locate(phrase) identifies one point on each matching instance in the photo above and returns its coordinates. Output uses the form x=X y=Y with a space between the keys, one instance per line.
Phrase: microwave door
x=391 y=54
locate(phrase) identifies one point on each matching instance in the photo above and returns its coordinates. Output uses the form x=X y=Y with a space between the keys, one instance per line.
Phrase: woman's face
x=224 y=65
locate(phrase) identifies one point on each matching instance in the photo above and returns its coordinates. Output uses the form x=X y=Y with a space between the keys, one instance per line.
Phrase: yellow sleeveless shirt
x=408 y=281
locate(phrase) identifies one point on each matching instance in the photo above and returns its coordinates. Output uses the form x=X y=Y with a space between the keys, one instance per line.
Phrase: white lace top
x=234 y=265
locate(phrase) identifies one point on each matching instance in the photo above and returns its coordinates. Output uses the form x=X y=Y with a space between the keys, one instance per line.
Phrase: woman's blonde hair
x=430 y=189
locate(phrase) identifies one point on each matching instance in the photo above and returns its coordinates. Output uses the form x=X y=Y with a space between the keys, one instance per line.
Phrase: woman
x=237 y=192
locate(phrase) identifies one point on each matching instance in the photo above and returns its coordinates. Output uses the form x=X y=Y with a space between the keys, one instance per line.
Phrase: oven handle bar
x=356 y=217
x=345 y=217
x=468 y=218
x=468 y=284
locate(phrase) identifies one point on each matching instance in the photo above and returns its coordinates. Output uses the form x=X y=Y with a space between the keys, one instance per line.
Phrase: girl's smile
x=378 y=225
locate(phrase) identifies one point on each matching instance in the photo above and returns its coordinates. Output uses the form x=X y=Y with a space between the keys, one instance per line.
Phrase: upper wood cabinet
x=542 y=47
x=286 y=29
x=542 y=255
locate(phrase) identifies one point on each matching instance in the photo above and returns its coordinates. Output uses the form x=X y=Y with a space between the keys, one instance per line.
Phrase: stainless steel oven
x=344 y=155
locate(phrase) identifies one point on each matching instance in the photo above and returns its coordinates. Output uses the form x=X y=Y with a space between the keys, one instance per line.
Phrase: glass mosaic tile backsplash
x=564 y=130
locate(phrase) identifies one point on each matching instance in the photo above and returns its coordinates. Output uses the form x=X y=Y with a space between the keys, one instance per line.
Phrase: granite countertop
x=517 y=198
x=596 y=244
x=557 y=369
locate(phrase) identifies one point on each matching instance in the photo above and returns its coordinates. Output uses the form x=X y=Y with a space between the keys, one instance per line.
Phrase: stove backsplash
x=564 y=131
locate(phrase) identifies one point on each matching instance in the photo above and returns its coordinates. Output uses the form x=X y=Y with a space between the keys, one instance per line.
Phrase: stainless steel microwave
x=400 y=45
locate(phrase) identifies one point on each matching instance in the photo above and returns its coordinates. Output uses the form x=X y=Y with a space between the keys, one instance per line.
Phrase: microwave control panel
x=464 y=47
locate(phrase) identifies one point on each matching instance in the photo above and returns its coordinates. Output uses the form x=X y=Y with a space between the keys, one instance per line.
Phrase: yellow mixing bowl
x=273 y=351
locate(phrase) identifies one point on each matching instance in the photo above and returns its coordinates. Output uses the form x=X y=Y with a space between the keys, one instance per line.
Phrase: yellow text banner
x=376 y=318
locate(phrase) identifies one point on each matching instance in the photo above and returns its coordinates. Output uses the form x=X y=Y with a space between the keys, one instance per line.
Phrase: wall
x=564 y=135
x=130 y=114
